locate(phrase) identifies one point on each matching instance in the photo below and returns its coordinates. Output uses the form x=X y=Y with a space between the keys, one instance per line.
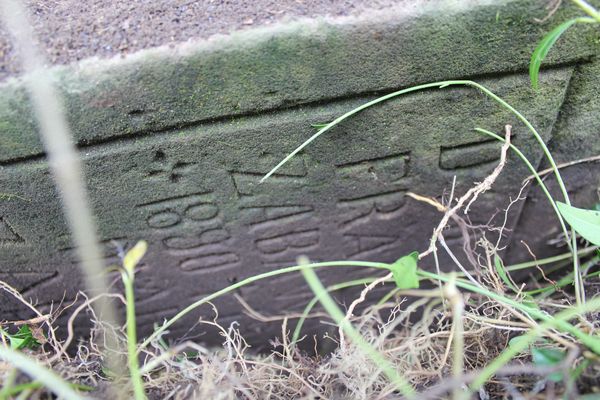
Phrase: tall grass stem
x=64 y=163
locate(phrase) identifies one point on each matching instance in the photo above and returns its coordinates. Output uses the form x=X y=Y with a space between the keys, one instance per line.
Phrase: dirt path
x=70 y=30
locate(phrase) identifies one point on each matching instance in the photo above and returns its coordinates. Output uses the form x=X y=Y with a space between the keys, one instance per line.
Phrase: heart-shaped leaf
x=584 y=222
x=405 y=271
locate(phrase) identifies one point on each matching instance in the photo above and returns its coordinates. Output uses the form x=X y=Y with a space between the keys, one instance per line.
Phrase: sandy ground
x=70 y=30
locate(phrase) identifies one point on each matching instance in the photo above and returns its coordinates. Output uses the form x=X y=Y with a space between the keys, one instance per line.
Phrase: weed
x=130 y=261
x=472 y=326
x=544 y=46
x=23 y=339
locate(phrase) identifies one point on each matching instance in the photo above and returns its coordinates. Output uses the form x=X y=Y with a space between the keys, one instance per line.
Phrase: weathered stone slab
x=194 y=194
x=174 y=142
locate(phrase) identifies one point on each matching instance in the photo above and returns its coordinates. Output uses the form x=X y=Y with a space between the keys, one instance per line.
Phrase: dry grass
x=438 y=338
x=413 y=330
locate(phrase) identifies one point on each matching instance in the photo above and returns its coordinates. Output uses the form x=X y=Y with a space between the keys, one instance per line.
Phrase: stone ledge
x=285 y=66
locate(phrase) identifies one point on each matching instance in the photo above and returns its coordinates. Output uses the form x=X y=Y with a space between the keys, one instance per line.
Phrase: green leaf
x=544 y=357
x=133 y=256
x=405 y=271
x=585 y=222
x=23 y=339
x=542 y=49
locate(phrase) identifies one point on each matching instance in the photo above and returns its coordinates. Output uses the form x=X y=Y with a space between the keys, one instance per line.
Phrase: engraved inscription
x=373 y=176
x=289 y=241
x=25 y=282
x=186 y=222
x=287 y=262
x=371 y=189
x=294 y=167
x=162 y=168
x=295 y=293
x=192 y=230
x=269 y=217
x=247 y=184
x=201 y=236
x=151 y=315
x=176 y=201
x=469 y=155
x=212 y=262
x=209 y=260
x=163 y=220
x=8 y=234
x=149 y=287
x=388 y=169
x=383 y=206
x=292 y=176
x=366 y=245
x=295 y=240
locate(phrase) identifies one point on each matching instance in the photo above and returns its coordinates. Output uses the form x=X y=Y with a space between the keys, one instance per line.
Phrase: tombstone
x=174 y=141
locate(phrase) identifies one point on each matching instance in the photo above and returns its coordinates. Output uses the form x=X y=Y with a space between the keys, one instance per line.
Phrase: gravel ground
x=70 y=30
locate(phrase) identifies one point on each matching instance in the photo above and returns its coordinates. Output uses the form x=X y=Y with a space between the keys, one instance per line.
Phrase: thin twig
x=356 y=302
x=553 y=7
x=563 y=165
x=70 y=331
x=471 y=194
x=252 y=313
x=452 y=293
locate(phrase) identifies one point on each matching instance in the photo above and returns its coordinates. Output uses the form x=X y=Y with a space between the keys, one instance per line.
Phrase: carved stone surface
x=174 y=142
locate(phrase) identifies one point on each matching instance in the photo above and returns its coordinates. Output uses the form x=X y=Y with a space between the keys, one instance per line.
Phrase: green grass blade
x=130 y=261
x=338 y=316
x=563 y=282
x=534 y=173
x=519 y=345
x=501 y=271
x=542 y=49
x=343 y=117
x=588 y=9
x=591 y=341
x=31 y=367
x=544 y=261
